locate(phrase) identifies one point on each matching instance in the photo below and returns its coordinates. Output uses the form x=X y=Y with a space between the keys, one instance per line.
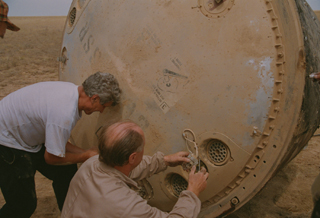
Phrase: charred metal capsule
x=235 y=72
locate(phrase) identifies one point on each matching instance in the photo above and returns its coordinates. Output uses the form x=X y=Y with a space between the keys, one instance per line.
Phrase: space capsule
x=226 y=80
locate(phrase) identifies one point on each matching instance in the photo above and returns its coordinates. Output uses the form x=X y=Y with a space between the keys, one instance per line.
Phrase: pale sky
x=38 y=7
x=314 y=4
x=61 y=7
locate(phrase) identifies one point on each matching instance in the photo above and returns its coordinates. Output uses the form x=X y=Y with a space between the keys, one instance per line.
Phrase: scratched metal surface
x=232 y=71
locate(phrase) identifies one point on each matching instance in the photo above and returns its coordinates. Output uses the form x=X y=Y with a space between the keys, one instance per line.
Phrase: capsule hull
x=231 y=75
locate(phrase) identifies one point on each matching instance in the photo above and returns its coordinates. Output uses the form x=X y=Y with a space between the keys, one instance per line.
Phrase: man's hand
x=92 y=152
x=315 y=76
x=197 y=181
x=176 y=159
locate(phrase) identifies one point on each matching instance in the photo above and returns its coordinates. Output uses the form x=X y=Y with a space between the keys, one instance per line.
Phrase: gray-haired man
x=35 y=125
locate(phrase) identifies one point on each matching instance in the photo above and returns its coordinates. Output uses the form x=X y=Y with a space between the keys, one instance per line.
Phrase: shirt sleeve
x=149 y=166
x=187 y=206
x=56 y=139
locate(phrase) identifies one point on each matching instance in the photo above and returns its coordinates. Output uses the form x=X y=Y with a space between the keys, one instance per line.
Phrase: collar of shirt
x=116 y=173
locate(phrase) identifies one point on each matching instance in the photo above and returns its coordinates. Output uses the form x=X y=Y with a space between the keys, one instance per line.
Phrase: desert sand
x=30 y=56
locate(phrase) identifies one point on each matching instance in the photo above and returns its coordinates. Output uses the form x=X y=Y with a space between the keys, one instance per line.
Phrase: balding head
x=119 y=141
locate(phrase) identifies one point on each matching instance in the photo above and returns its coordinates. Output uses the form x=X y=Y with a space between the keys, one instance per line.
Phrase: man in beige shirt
x=105 y=185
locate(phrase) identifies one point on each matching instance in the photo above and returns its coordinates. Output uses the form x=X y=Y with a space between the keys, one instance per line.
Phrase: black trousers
x=17 y=170
x=316 y=210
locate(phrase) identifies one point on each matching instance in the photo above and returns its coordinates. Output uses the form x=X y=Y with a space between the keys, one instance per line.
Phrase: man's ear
x=95 y=98
x=132 y=158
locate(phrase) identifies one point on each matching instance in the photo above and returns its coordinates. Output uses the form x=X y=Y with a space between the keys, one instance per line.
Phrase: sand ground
x=30 y=56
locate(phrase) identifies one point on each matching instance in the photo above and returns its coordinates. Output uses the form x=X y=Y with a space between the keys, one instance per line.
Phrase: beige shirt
x=98 y=190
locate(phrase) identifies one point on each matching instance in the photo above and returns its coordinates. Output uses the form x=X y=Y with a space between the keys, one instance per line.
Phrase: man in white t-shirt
x=35 y=125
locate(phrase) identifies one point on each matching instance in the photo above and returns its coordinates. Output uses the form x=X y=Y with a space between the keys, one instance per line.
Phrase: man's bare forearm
x=73 y=148
x=70 y=158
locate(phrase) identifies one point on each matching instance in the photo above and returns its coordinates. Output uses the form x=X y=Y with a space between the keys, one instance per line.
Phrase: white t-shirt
x=44 y=112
